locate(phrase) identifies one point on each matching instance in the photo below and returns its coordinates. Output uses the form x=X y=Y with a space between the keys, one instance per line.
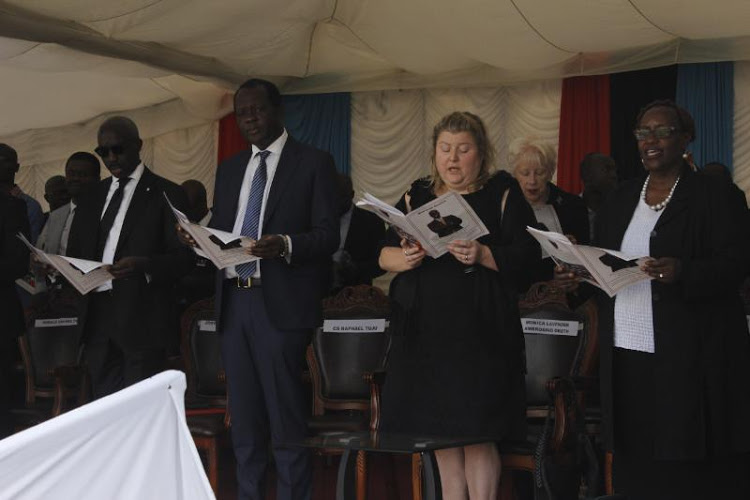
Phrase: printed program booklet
x=609 y=270
x=84 y=275
x=223 y=249
x=433 y=225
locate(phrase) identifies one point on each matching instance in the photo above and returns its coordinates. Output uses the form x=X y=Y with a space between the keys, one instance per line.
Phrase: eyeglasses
x=641 y=134
x=104 y=151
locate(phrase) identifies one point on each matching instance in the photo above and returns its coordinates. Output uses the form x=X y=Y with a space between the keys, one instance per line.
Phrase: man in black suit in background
x=14 y=260
x=356 y=260
x=283 y=193
x=126 y=222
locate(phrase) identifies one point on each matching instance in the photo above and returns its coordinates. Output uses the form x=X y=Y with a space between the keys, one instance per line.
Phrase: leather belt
x=247 y=282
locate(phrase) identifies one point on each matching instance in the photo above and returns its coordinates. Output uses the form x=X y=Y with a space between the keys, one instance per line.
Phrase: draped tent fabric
x=169 y=64
x=707 y=92
x=584 y=126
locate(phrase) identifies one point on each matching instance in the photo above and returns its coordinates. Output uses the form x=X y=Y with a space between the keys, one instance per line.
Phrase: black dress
x=458 y=369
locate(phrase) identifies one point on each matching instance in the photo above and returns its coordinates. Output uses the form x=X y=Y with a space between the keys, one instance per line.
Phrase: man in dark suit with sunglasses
x=126 y=223
x=282 y=193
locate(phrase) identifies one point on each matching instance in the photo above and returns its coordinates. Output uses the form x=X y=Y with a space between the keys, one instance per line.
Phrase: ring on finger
x=661 y=275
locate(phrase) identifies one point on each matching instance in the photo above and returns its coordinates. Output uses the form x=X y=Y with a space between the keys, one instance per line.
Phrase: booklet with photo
x=84 y=275
x=609 y=270
x=434 y=224
x=223 y=249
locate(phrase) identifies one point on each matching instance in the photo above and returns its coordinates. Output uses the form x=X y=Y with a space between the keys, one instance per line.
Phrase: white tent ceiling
x=68 y=61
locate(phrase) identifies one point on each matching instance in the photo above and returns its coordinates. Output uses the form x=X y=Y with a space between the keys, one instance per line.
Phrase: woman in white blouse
x=675 y=350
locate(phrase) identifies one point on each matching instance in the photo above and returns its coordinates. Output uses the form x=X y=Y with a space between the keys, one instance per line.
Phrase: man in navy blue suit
x=283 y=194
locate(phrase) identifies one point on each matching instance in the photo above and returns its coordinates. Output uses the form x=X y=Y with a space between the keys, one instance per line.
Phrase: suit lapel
x=284 y=171
x=233 y=186
x=680 y=199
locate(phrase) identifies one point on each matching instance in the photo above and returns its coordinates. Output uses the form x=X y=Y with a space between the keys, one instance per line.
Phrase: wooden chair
x=343 y=367
x=55 y=381
x=561 y=371
x=206 y=395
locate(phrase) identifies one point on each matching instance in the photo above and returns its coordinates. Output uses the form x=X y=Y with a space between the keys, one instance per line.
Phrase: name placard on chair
x=550 y=327
x=354 y=325
x=52 y=322
x=206 y=325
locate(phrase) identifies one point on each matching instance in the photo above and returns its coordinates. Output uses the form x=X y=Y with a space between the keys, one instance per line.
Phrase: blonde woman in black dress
x=459 y=372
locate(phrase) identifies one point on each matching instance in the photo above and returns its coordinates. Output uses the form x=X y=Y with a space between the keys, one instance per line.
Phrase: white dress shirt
x=206 y=219
x=634 y=312
x=272 y=161
x=114 y=233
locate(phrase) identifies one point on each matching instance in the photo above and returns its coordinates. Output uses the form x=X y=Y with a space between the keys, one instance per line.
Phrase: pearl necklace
x=666 y=200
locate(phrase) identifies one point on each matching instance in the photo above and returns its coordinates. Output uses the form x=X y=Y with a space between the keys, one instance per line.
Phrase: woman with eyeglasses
x=675 y=350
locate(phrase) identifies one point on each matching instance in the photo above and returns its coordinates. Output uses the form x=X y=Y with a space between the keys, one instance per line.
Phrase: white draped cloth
x=134 y=444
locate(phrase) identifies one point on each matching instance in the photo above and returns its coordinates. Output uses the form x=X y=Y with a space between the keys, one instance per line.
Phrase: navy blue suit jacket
x=302 y=203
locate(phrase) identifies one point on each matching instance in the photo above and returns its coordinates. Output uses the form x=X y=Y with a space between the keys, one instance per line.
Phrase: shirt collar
x=275 y=147
x=134 y=175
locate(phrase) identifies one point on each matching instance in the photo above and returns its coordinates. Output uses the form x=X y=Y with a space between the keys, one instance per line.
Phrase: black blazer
x=14 y=262
x=366 y=233
x=702 y=358
x=143 y=307
x=302 y=203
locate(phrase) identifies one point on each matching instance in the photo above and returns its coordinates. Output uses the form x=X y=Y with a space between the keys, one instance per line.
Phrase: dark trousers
x=111 y=368
x=266 y=396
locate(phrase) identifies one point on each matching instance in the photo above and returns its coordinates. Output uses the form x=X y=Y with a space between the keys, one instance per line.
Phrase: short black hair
x=9 y=153
x=592 y=159
x=684 y=118
x=715 y=167
x=86 y=157
x=123 y=126
x=272 y=91
x=55 y=179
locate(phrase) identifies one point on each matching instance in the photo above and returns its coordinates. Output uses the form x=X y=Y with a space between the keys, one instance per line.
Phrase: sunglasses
x=641 y=134
x=104 y=151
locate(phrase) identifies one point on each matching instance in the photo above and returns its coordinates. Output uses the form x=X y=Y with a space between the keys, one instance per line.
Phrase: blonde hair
x=534 y=151
x=463 y=121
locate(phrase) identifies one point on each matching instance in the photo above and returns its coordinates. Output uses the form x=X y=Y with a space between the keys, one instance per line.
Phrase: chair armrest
x=69 y=375
x=376 y=380
x=69 y=379
x=562 y=393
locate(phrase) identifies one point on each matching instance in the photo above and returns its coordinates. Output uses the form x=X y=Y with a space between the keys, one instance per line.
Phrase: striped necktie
x=252 y=212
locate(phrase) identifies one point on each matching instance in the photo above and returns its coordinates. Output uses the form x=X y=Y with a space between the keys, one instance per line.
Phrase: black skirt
x=636 y=473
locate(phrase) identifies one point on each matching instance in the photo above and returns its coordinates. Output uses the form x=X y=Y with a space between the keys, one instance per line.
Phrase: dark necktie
x=252 y=212
x=105 y=225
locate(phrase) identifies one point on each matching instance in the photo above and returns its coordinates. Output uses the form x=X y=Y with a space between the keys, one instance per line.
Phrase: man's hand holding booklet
x=433 y=225
x=609 y=270
x=223 y=249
